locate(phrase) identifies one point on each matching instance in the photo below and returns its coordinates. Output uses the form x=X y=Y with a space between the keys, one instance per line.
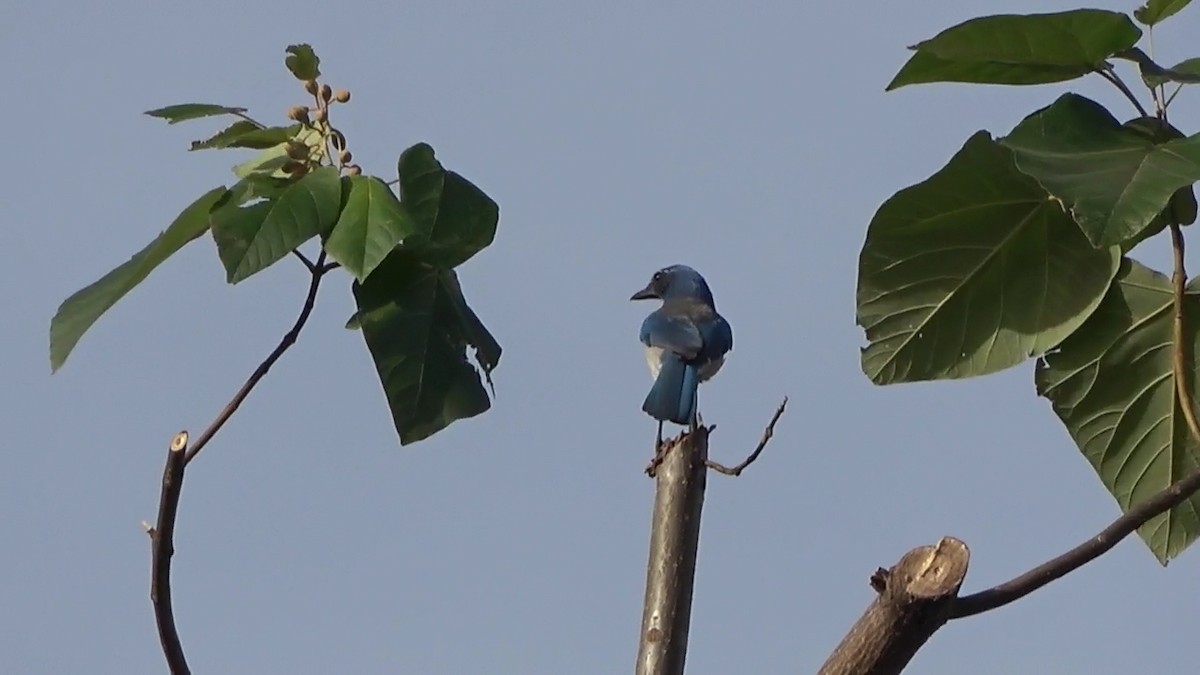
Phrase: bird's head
x=675 y=282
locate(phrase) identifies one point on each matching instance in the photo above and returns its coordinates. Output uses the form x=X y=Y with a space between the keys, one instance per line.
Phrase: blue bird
x=686 y=341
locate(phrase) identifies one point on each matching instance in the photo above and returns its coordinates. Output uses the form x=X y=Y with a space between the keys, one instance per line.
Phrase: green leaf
x=192 y=111
x=1020 y=49
x=1153 y=74
x=267 y=137
x=417 y=327
x=250 y=239
x=1184 y=72
x=270 y=162
x=246 y=134
x=924 y=67
x=77 y=314
x=1155 y=11
x=226 y=136
x=303 y=62
x=1114 y=179
x=1113 y=385
x=454 y=219
x=972 y=271
x=371 y=224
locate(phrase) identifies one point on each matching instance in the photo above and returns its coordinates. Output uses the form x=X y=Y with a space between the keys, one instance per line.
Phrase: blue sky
x=751 y=143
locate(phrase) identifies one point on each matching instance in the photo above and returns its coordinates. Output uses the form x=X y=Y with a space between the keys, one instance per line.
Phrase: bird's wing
x=673 y=333
x=717 y=336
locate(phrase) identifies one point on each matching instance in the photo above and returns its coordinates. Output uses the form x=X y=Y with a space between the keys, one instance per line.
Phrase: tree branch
x=914 y=600
x=162 y=542
x=674 y=543
x=312 y=268
x=762 y=443
x=289 y=339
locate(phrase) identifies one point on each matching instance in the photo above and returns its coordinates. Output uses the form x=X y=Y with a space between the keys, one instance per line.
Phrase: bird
x=686 y=342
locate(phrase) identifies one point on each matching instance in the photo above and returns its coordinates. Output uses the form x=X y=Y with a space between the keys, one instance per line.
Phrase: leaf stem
x=1108 y=74
x=289 y=339
x=250 y=119
x=1180 y=351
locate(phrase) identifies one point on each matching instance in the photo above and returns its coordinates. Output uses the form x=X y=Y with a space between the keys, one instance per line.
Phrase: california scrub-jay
x=686 y=342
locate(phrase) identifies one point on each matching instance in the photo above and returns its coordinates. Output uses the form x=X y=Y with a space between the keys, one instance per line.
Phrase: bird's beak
x=646 y=293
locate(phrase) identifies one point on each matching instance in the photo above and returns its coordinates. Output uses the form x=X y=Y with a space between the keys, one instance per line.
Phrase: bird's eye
x=657 y=276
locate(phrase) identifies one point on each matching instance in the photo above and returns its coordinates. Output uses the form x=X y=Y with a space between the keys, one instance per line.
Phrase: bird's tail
x=673 y=396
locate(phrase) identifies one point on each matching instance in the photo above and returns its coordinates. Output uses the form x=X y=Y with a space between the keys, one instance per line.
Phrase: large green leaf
x=1155 y=11
x=77 y=314
x=454 y=219
x=1113 y=385
x=417 y=326
x=925 y=67
x=250 y=239
x=972 y=271
x=1020 y=49
x=371 y=224
x=1114 y=179
x=192 y=111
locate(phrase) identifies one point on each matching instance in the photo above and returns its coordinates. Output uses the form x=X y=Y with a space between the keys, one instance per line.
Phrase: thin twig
x=312 y=268
x=329 y=267
x=1179 y=283
x=162 y=541
x=251 y=120
x=287 y=341
x=1173 y=495
x=1117 y=82
x=768 y=432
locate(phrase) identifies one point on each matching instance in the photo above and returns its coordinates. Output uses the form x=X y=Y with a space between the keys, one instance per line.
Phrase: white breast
x=654 y=361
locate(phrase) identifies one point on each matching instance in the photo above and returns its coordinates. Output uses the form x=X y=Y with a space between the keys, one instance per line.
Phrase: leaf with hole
x=251 y=238
x=417 y=327
x=972 y=271
x=1112 y=383
x=1114 y=179
x=78 y=312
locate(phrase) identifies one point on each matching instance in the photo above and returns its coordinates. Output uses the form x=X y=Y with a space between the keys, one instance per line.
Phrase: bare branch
x=762 y=443
x=674 y=544
x=915 y=598
x=312 y=268
x=162 y=540
x=1139 y=515
x=287 y=341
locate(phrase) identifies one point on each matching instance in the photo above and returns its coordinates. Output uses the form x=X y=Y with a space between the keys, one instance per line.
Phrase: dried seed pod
x=311 y=87
x=298 y=113
x=345 y=157
x=326 y=93
x=353 y=170
x=319 y=115
x=342 y=96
